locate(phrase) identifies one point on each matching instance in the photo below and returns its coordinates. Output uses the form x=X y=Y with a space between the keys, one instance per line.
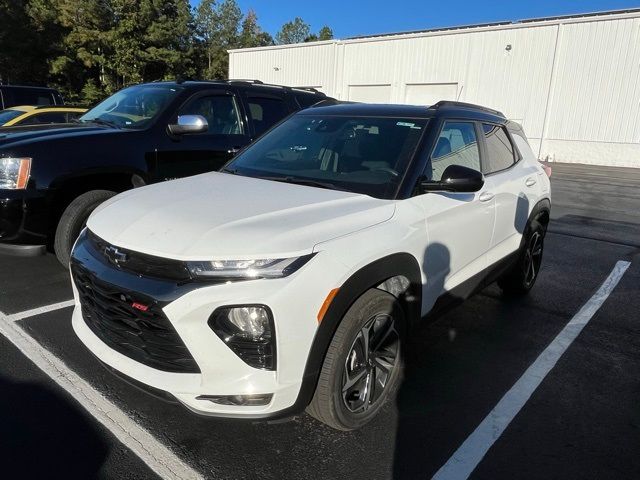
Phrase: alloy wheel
x=533 y=258
x=373 y=357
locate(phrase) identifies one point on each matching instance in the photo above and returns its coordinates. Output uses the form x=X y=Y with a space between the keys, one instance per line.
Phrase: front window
x=357 y=154
x=135 y=107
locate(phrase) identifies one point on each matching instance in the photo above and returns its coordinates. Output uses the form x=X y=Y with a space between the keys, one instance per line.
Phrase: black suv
x=51 y=180
x=13 y=95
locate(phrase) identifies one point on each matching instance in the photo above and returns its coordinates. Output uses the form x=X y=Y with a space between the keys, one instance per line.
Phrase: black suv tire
x=342 y=407
x=73 y=221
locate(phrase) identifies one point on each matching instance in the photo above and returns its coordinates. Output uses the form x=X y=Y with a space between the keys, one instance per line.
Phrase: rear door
x=514 y=185
x=459 y=225
x=191 y=154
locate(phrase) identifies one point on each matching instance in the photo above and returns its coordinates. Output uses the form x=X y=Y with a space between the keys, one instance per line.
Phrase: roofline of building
x=525 y=23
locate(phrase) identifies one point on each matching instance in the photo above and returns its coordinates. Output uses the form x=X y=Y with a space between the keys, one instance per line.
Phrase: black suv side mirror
x=455 y=178
x=189 y=124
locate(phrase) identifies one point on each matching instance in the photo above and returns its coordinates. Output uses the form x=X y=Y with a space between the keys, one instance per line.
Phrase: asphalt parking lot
x=67 y=417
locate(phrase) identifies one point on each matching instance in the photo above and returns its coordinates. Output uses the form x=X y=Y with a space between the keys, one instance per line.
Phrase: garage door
x=370 y=93
x=429 y=93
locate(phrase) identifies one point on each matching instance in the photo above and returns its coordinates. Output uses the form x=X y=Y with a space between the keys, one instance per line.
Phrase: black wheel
x=363 y=365
x=523 y=275
x=73 y=221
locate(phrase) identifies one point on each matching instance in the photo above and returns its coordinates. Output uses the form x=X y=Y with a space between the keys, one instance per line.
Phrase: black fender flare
x=368 y=277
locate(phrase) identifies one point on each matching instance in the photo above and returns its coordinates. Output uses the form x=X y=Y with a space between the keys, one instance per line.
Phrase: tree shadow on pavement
x=44 y=434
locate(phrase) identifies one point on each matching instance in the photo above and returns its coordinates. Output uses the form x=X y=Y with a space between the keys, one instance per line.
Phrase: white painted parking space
x=464 y=461
x=157 y=456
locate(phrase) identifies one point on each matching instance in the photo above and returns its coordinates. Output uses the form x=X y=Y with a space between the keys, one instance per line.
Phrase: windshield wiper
x=232 y=171
x=100 y=121
x=305 y=181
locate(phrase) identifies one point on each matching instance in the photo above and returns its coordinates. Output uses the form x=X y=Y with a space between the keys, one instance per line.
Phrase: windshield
x=8 y=115
x=362 y=155
x=134 y=107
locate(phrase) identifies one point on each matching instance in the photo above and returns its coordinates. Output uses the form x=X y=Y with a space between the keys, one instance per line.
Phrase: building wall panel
x=573 y=83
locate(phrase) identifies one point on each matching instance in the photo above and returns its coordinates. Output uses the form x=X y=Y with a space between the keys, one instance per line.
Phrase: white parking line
x=475 y=447
x=39 y=311
x=159 y=458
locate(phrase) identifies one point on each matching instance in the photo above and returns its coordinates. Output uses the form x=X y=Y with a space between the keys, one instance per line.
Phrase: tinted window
x=364 y=155
x=500 y=154
x=134 y=107
x=42 y=118
x=220 y=111
x=25 y=96
x=73 y=116
x=307 y=100
x=266 y=112
x=456 y=145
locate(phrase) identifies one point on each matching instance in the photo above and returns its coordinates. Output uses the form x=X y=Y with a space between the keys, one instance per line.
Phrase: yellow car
x=30 y=115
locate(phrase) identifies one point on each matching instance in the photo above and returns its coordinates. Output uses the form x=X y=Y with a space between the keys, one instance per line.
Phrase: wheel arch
x=69 y=188
x=373 y=275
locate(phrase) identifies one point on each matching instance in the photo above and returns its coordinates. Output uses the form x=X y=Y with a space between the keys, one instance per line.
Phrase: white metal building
x=573 y=82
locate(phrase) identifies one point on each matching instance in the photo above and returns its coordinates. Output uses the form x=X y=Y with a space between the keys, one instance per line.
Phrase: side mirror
x=455 y=178
x=189 y=124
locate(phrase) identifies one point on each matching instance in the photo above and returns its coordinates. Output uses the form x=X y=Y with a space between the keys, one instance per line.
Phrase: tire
x=73 y=221
x=521 y=277
x=380 y=313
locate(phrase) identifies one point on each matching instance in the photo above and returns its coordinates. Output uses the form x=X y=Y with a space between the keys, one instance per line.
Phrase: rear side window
x=305 y=101
x=456 y=145
x=25 y=96
x=500 y=152
x=266 y=112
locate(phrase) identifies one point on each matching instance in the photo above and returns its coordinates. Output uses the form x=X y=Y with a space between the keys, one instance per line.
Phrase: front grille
x=144 y=336
x=141 y=263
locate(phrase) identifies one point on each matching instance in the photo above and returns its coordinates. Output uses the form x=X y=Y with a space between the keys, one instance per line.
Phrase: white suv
x=288 y=280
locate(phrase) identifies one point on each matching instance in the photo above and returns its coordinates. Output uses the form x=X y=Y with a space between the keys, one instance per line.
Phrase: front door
x=459 y=225
x=190 y=154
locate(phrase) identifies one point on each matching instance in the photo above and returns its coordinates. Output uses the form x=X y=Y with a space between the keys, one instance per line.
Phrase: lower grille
x=144 y=336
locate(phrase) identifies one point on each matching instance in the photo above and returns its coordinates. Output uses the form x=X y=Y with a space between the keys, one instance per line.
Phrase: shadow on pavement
x=43 y=434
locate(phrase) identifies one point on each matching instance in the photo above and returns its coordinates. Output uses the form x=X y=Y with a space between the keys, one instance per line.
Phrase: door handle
x=530 y=182
x=486 y=196
x=233 y=150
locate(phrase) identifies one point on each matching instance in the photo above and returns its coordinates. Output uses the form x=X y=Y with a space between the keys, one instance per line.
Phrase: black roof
x=243 y=82
x=450 y=108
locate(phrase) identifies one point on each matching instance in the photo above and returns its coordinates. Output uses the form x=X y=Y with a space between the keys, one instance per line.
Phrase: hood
x=224 y=216
x=10 y=136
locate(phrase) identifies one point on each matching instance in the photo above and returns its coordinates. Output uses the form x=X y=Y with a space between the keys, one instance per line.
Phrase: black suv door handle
x=234 y=150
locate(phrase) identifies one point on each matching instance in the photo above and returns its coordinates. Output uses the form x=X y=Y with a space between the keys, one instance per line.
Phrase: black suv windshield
x=134 y=107
x=359 y=154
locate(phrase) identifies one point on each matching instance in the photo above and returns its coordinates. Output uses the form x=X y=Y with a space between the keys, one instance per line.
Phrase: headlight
x=247 y=269
x=14 y=173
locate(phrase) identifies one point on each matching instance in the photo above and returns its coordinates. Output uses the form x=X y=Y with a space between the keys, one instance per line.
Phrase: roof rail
x=451 y=103
x=243 y=80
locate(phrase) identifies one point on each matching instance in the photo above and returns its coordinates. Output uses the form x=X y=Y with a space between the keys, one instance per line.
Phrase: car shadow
x=44 y=434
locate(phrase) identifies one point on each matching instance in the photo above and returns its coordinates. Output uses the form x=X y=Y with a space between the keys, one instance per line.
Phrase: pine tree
x=296 y=31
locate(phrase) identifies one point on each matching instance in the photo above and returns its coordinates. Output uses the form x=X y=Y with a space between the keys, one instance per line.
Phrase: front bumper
x=222 y=372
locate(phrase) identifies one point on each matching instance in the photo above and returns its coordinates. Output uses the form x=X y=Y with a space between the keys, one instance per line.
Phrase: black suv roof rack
x=243 y=80
x=451 y=103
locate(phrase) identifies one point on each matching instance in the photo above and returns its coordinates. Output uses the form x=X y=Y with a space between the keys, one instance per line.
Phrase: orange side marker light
x=327 y=303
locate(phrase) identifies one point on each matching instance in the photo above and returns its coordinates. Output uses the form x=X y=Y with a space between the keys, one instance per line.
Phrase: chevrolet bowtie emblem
x=114 y=255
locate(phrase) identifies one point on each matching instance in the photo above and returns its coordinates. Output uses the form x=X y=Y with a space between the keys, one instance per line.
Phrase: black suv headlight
x=248 y=330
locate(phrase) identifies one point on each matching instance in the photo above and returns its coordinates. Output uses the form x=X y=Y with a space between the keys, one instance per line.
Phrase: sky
x=367 y=17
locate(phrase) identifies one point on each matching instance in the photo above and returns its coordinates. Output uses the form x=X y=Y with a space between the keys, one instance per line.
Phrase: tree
x=296 y=31
x=251 y=35
x=218 y=26
x=325 y=33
